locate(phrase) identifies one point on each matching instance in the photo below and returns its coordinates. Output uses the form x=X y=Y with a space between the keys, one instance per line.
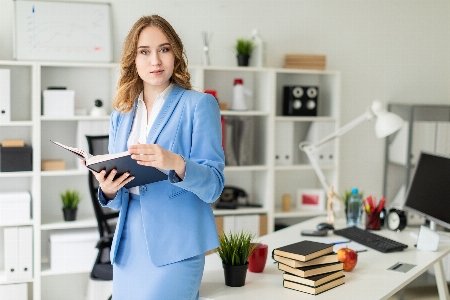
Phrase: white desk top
x=369 y=280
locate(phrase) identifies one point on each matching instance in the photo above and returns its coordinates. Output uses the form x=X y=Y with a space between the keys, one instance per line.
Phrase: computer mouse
x=322 y=226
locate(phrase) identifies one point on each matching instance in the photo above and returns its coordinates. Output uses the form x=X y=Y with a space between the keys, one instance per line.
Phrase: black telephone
x=229 y=199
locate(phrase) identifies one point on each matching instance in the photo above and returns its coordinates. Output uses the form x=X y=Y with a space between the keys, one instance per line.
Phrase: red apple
x=349 y=257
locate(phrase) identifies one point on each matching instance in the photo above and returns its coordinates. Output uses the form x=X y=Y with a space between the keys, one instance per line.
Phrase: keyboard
x=370 y=239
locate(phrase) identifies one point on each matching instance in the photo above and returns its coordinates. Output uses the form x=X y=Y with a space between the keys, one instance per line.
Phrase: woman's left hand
x=155 y=156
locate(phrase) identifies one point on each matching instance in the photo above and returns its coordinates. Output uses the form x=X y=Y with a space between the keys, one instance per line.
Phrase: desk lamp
x=386 y=123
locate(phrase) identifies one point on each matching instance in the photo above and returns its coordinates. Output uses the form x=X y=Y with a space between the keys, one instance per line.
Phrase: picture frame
x=311 y=199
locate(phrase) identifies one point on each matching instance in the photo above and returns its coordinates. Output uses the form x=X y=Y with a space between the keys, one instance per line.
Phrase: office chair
x=102 y=269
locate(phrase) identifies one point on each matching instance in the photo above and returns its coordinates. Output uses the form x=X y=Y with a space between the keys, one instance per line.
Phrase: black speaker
x=300 y=100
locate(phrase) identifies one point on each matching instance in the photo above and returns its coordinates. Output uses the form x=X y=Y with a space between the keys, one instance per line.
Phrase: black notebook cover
x=143 y=174
x=304 y=250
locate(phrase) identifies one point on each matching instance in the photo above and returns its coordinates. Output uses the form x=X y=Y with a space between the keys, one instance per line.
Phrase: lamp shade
x=386 y=123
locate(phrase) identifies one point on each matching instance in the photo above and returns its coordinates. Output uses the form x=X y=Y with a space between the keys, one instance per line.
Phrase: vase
x=243 y=60
x=70 y=214
x=235 y=275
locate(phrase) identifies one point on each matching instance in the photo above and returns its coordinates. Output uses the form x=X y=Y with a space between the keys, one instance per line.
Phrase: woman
x=164 y=228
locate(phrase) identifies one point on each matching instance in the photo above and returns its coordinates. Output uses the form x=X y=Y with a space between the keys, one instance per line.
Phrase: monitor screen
x=429 y=192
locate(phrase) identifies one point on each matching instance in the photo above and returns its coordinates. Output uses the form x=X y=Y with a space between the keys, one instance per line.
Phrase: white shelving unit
x=264 y=178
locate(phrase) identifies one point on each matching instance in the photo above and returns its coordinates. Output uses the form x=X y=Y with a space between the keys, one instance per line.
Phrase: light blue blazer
x=177 y=215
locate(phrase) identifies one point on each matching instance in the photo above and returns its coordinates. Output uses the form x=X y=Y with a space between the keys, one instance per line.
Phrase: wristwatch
x=396 y=219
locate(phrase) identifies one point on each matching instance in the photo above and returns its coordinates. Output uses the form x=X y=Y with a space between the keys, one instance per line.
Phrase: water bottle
x=238 y=95
x=354 y=209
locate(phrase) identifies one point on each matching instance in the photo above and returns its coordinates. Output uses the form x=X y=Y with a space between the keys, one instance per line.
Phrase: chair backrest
x=99 y=145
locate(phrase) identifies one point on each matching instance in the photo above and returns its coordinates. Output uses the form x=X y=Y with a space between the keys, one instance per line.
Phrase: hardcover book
x=313 y=290
x=325 y=259
x=122 y=162
x=304 y=250
x=312 y=270
x=316 y=280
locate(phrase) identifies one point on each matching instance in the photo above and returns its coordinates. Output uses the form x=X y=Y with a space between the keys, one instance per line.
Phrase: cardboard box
x=14 y=159
x=73 y=250
x=13 y=143
x=53 y=164
x=15 y=207
x=59 y=103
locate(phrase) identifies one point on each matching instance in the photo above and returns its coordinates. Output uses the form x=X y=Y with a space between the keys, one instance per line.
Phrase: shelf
x=46 y=271
x=298 y=213
x=245 y=168
x=304 y=119
x=70 y=172
x=81 y=222
x=305 y=71
x=75 y=118
x=16 y=63
x=25 y=223
x=4 y=281
x=239 y=211
x=16 y=174
x=17 y=124
x=302 y=167
x=243 y=113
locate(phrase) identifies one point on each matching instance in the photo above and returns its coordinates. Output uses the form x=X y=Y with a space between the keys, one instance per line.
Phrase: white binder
x=11 y=253
x=5 y=95
x=25 y=243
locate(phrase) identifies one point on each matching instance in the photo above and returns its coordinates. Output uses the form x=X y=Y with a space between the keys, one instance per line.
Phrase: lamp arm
x=311 y=149
x=344 y=129
x=317 y=169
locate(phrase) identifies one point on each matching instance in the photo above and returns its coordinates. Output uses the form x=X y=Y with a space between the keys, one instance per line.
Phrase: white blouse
x=141 y=126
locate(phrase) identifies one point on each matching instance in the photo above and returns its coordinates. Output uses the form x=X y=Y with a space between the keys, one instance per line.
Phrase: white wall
x=396 y=51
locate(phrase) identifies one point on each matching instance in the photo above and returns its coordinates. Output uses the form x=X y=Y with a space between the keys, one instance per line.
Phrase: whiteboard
x=62 y=31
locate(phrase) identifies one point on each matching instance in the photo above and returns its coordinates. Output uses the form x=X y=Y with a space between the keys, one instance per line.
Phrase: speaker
x=300 y=100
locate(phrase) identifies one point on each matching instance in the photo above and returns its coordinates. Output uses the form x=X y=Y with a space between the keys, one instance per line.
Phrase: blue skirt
x=135 y=277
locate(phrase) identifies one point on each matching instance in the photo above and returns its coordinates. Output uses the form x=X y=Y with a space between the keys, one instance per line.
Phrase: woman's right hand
x=108 y=184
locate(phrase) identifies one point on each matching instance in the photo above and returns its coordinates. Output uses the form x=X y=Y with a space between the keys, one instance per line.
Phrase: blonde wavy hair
x=130 y=84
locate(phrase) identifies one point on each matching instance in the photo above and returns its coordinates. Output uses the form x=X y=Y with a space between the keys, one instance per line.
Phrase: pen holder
x=373 y=221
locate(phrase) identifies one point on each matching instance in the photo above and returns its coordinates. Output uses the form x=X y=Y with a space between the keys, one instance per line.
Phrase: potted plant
x=234 y=251
x=70 y=199
x=244 y=48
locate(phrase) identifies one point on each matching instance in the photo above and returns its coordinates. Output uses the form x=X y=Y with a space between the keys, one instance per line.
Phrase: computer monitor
x=428 y=194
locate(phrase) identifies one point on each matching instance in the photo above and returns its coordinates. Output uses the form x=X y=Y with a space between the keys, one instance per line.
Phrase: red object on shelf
x=212 y=92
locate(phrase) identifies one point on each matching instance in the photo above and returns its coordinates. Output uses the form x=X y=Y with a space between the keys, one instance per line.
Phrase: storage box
x=15 y=206
x=59 y=103
x=73 y=250
x=53 y=164
x=14 y=159
x=14 y=291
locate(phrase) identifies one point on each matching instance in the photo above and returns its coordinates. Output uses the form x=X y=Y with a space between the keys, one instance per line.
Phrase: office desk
x=369 y=280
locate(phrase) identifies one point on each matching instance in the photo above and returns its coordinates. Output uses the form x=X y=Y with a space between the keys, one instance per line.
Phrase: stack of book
x=305 y=61
x=309 y=267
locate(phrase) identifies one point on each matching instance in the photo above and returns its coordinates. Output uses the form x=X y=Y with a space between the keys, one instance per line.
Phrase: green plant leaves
x=235 y=248
x=70 y=199
x=244 y=46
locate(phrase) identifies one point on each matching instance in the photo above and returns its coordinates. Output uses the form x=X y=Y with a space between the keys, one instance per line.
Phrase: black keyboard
x=370 y=239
